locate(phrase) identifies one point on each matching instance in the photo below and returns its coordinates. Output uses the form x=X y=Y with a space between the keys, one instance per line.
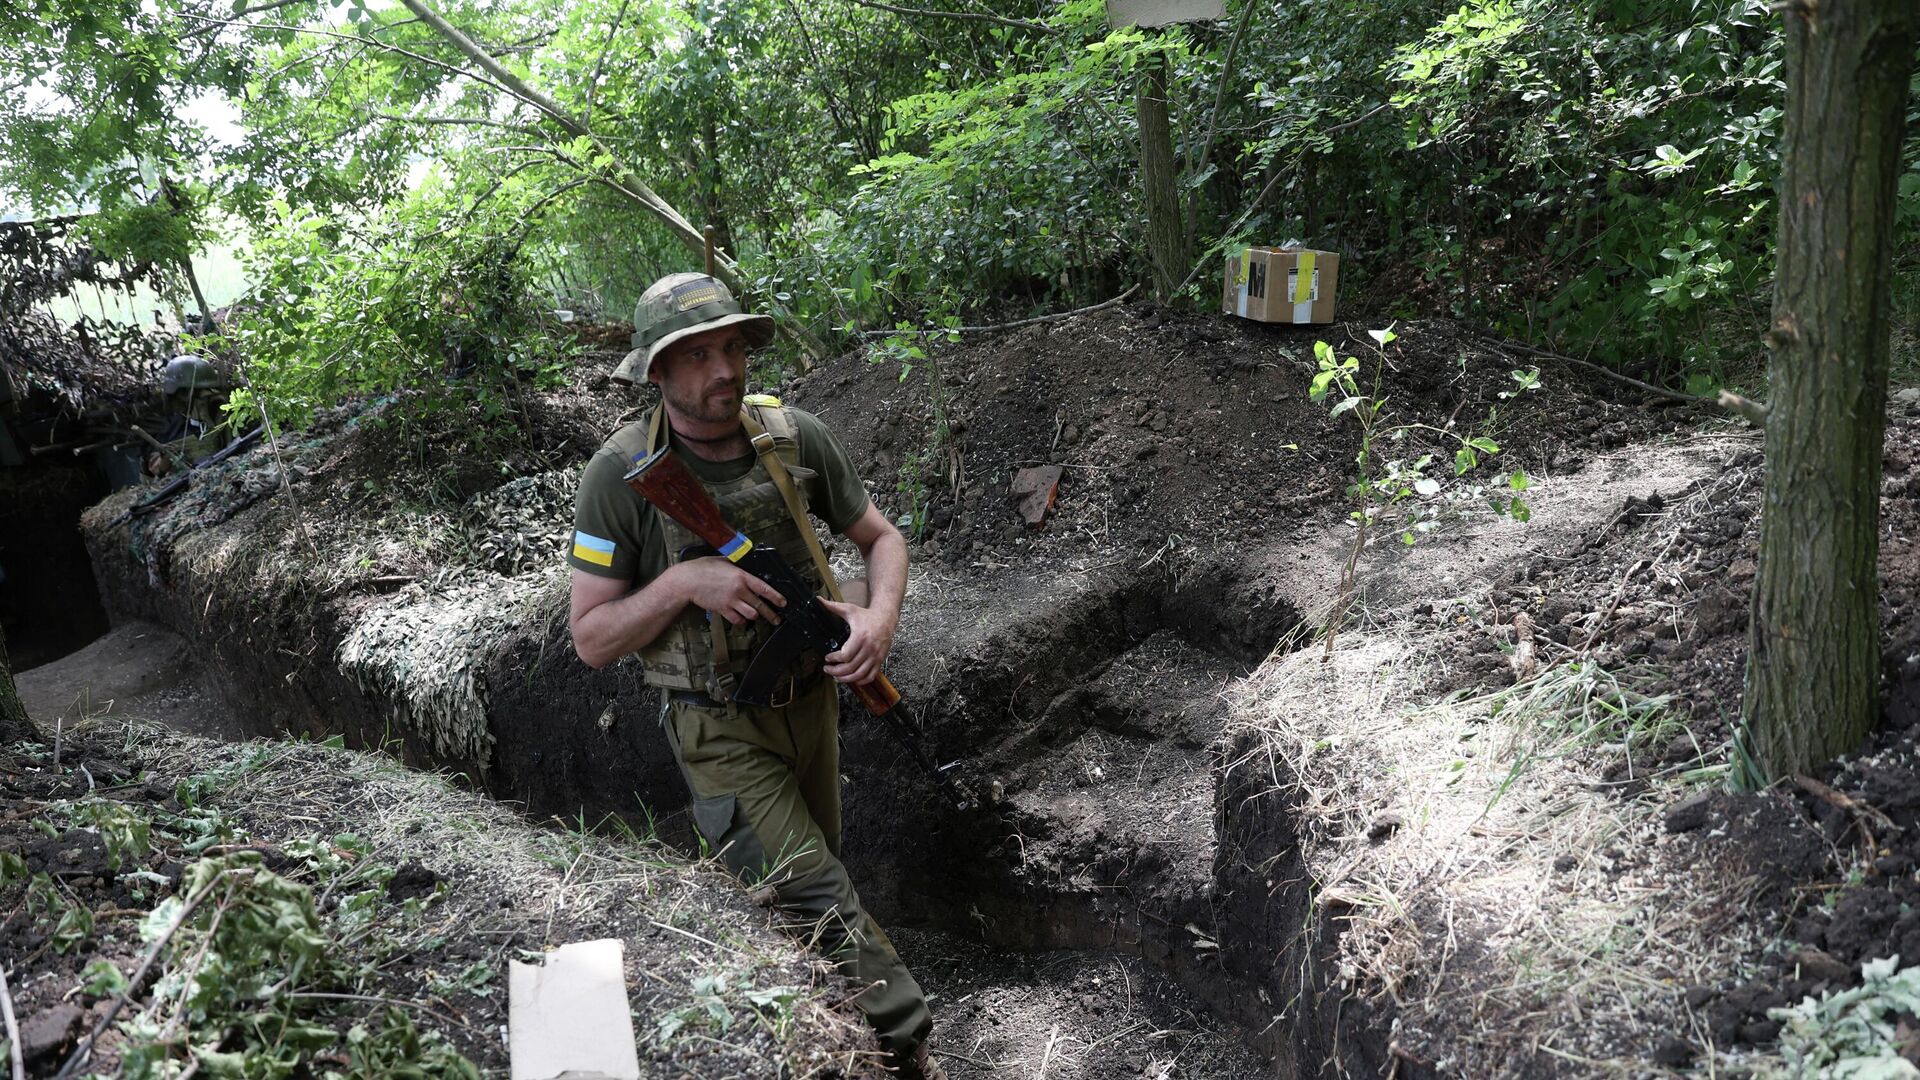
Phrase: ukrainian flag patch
x=594 y=549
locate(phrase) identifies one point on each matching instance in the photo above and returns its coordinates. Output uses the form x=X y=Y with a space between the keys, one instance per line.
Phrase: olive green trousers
x=766 y=798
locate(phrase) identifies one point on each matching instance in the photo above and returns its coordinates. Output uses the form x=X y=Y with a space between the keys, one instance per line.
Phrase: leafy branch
x=1382 y=485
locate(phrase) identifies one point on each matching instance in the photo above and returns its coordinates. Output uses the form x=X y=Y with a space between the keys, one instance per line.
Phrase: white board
x=569 y=1018
x=1163 y=12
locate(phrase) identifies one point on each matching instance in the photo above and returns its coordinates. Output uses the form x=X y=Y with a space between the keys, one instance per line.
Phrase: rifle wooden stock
x=666 y=482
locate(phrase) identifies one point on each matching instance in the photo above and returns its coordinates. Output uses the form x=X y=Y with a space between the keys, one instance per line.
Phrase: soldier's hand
x=869 y=639
x=728 y=591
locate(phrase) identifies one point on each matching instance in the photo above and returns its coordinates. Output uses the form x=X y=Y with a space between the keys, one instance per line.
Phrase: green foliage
x=716 y=997
x=250 y=964
x=1612 y=168
x=443 y=310
x=1020 y=184
x=124 y=832
x=1594 y=174
x=1402 y=492
x=1857 y=1033
x=395 y=1050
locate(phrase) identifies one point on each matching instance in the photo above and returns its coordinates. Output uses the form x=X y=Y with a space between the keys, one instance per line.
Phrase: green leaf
x=102 y=978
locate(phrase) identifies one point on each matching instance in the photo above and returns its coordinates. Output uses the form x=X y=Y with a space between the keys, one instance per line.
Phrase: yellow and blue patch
x=594 y=549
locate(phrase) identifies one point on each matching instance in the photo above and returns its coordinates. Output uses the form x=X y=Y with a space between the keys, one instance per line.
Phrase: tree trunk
x=1813 y=672
x=15 y=726
x=1166 y=233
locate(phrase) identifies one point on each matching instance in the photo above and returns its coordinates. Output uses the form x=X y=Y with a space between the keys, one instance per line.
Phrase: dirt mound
x=1661 y=596
x=1183 y=429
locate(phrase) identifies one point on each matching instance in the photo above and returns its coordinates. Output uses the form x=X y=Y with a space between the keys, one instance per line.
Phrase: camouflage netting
x=428 y=654
x=451 y=589
x=220 y=492
x=522 y=525
x=75 y=365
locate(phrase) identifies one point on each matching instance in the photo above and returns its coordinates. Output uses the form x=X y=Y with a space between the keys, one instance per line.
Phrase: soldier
x=192 y=392
x=765 y=782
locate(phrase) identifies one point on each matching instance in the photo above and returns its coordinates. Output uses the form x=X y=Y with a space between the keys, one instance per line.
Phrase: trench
x=1126 y=905
x=49 y=605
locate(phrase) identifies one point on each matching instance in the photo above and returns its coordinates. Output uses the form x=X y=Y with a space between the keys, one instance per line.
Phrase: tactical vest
x=697 y=652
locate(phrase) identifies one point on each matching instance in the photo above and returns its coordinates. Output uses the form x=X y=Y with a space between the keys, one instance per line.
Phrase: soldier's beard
x=716 y=404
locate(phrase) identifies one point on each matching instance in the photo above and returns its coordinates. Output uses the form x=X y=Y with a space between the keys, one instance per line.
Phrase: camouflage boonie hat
x=679 y=305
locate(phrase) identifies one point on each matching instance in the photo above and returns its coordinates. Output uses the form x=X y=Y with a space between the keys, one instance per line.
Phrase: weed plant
x=1405 y=492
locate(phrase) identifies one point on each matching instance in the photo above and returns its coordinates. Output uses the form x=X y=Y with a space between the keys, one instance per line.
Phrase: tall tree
x=1813 y=671
x=15 y=725
x=1160 y=181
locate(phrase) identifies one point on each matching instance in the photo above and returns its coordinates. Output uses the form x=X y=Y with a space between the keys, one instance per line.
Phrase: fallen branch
x=397 y=1003
x=1047 y=1057
x=13 y=1029
x=1753 y=412
x=1015 y=325
x=1842 y=801
x=962 y=16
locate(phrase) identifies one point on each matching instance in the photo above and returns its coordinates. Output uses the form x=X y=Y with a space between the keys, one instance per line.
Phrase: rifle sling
x=763 y=445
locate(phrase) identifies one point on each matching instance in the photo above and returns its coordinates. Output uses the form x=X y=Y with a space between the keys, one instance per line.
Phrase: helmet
x=679 y=305
x=190 y=373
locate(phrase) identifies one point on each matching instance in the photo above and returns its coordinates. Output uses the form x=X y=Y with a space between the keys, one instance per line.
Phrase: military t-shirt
x=616 y=535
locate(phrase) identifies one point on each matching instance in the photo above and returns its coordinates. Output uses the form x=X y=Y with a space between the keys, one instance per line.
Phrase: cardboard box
x=1281 y=285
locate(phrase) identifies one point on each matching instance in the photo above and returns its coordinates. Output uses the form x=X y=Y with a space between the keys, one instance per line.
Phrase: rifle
x=806 y=624
x=178 y=484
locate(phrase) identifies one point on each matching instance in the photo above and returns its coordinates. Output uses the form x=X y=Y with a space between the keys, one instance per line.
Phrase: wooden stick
x=1047 y=1058
x=1842 y=801
x=13 y=1029
x=708 y=232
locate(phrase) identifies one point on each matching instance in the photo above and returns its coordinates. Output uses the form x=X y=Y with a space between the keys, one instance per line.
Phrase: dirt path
x=137 y=669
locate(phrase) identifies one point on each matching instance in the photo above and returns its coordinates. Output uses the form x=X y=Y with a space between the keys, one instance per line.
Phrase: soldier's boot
x=923 y=1066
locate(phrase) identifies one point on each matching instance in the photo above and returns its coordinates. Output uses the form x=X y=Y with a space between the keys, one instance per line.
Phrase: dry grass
x=1518 y=917
x=515 y=890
